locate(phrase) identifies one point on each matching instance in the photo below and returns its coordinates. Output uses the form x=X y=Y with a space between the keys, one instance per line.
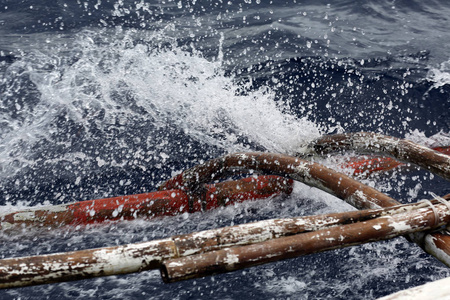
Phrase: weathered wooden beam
x=335 y=183
x=250 y=233
x=436 y=244
x=59 y=267
x=235 y=258
x=373 y=143
x=75 y=265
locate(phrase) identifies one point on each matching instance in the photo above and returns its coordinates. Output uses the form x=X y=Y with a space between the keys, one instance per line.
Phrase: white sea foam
x=106 y=78
x=440 y=76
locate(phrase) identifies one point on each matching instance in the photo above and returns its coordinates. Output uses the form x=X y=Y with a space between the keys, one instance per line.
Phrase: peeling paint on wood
x=239 y=257
x=149 y=255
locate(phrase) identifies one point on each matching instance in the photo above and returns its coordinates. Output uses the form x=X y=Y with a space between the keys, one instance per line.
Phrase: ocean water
x=106 y=98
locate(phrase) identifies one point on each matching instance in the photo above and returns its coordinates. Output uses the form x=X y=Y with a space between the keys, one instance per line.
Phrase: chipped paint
x=401 y=226
x=132 y=258
x=231 y=259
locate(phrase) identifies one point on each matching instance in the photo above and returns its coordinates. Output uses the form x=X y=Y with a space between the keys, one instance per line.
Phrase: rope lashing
x=432 y=205
x=441 y=200
x=436 y=214
x=446 y=203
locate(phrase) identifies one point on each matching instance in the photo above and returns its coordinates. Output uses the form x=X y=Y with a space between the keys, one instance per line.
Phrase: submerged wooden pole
x=376 y=163
x=235 y=258
x=373 y=143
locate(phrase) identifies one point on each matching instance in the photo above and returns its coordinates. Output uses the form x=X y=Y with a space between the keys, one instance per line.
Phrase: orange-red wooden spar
x=148 y=205
x=377 y=164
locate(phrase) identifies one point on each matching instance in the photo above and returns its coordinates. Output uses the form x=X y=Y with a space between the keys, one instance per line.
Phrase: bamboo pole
x=373 y=143
x=75 y=265
x=250 y=233
x=235 y=258
x=60 y=267
x=124 y=259
x=436 y=244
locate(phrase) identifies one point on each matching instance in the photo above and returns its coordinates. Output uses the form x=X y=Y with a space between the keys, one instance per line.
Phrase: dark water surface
x=105 y=98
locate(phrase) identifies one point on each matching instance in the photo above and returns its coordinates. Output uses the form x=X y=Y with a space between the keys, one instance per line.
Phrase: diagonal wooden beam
x=340 y=185
x=353 y=192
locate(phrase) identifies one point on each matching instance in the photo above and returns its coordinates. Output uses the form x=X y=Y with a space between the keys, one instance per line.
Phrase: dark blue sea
x=101 y=98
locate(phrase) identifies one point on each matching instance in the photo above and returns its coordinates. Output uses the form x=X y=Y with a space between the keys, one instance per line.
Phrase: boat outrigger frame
x=231 y=248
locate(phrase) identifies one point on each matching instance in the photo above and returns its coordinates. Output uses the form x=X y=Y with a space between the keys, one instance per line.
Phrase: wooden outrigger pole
x=437 y=161
x=324 y=232
x=344 y=235
x=147 y=205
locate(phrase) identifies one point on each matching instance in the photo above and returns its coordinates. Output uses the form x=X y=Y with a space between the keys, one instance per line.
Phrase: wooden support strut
x=310 y=173
x=282 y=165
x=340 y=185
x=436 y=244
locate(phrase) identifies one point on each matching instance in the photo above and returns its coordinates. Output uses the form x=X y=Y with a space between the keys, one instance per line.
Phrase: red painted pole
x=148 y=205
x=379 y=164
x=373 y=143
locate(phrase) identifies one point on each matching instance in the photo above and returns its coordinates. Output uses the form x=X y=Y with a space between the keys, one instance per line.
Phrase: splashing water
x=115 y=109
x=107 y=83
x=440 y=76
